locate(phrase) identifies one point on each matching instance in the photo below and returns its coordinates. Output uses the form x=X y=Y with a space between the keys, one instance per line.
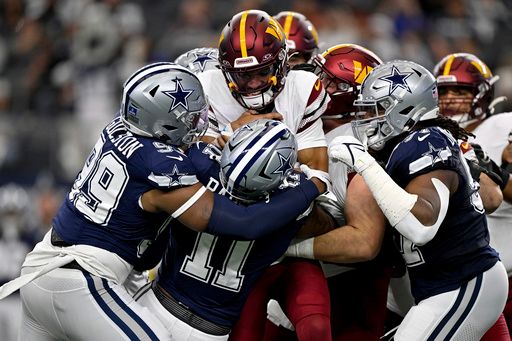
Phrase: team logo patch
x=179 y=95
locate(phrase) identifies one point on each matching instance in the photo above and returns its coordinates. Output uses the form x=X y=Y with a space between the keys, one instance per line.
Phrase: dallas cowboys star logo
x=202 y=59
x=179 y=95
x=434 y=153
x=284 y=164
x=397 y=80
x=175 y=176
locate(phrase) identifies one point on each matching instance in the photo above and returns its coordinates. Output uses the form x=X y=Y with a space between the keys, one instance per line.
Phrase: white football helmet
x=167 y=102
x=200 y=59
x=393 y=97
x=257 y=158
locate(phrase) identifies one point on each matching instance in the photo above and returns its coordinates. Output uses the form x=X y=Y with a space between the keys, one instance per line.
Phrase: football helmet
x=257 y=159
x=252 y=56
x=393 y=97
x=464 y=70
x=342 y=69
x=199 y=59
x=165 y=101
x=301 y=35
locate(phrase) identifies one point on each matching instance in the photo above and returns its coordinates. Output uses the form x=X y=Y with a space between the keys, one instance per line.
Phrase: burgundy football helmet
x=464 y=70
x=342 y=69
x=252 y=56
x=300 y=33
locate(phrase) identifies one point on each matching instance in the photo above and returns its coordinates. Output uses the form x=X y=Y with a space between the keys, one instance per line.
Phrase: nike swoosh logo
x=317 y=85
x=421 y=138
x=179 y=158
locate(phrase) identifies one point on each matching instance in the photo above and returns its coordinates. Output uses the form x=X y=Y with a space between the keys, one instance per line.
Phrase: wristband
x=301 y=248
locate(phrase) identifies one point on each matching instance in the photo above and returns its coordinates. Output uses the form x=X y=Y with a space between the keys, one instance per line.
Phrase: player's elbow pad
x=259 y=219
x=411 y=228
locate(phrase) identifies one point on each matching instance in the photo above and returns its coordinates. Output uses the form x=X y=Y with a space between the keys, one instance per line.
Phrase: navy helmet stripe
x=257 y=139
x=254 y=159
x=141 y=70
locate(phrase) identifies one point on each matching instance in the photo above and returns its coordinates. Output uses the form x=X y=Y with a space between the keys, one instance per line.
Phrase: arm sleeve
x=260 y=219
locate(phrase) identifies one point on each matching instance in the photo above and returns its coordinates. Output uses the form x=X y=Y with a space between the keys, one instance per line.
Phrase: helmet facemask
x=257 y=87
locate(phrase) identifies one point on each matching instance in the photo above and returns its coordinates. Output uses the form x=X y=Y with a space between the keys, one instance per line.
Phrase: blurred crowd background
x=63 y=63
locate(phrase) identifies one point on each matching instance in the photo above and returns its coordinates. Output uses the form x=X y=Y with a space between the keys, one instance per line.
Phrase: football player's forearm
x=345 y=244
x=491 y=194
x=259 y=219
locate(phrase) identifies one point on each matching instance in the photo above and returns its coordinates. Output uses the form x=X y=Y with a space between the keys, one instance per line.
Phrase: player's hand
x=222 y=139
x=323 y=177
x=253 y=115
x=350 y=151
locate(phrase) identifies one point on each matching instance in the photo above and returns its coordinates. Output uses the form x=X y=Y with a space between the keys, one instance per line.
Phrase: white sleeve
x=311 y=137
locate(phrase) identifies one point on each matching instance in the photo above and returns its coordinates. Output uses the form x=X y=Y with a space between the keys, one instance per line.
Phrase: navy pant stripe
x=450 y=313
x=104 y=306
x=130 y=312
x=471 y=302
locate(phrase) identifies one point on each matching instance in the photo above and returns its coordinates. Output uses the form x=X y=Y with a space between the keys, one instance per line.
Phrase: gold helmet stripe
x=243 y=44
x=484 y=70
x=448 y=65
x=288 y=24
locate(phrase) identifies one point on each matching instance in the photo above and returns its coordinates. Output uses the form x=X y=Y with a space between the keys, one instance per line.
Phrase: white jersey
x=492 y=135
x=301 y=102
x=339 y=174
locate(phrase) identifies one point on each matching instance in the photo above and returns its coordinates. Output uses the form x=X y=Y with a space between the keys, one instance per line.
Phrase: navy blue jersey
x=102 y=209
x=460 y=250
x=213 y=275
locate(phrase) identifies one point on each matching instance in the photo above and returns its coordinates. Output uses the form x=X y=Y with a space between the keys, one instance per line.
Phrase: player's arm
x=357 y=241
x=490 y=192
x=416 y=211
x=315 y=158
x=202 y=210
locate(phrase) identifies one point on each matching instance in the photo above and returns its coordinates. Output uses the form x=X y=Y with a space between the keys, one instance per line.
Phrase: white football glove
x=320 y=175
x=350 y=151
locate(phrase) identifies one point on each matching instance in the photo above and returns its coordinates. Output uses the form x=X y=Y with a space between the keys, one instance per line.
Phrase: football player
x=466 y=94
x=429 y=197
x=301 y=37
x=254 y=82
x=135 y=183
x=204 y=279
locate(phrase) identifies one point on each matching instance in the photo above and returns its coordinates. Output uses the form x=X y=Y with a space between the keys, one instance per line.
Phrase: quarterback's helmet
x=394 y=96
x=301 y=35
x=252 y=56
x=165 y=101
x=257 y=158
x=464 y=70
x=199 y=59
x=342 y=69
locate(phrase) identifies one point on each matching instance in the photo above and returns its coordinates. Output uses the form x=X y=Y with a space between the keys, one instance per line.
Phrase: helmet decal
x=360 y=73
x=179 y=95
x=397 y=80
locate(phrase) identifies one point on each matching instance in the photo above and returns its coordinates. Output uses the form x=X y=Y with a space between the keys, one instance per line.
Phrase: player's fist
x=350 y=151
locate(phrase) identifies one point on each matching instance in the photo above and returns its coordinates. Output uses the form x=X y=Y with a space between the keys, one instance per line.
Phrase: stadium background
x=63 y=62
